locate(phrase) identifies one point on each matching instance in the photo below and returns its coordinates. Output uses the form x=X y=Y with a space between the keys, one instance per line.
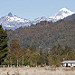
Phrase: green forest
x=45 y=43
x=33 y=57
x=45 y=34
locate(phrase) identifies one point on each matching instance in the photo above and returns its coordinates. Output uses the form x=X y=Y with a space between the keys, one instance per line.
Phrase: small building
x=68 y=63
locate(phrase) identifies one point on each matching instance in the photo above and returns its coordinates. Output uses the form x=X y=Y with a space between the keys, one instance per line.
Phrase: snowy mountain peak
x=62 y=13
x=13 y=18
x=65 y=11
x=10 y=14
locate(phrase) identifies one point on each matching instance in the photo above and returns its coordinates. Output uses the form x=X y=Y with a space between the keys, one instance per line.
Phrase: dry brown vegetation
x=37 y=71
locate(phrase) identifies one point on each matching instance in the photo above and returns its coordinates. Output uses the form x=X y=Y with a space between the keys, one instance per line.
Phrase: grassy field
x=37 y=71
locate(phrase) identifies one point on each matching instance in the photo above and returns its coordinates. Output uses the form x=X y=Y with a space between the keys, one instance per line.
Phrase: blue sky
x=31 y=9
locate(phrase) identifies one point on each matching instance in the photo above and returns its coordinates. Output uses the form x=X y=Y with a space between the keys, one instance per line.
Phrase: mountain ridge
x=13 y=22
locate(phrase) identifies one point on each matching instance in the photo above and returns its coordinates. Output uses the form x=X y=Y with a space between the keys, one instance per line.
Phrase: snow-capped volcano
x=11 y=21
x=61 y=14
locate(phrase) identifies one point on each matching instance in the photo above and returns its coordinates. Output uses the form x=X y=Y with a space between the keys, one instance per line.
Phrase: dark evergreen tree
x=3 y=44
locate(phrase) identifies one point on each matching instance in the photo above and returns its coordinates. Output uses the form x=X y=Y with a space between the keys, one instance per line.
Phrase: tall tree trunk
x=10 y=62
x=17 y=62
x=23 y=60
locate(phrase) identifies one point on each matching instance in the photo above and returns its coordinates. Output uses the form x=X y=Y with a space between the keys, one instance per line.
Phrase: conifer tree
x=3 y=44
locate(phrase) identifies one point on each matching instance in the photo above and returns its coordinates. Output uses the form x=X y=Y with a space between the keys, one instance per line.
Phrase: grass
x=37 y=71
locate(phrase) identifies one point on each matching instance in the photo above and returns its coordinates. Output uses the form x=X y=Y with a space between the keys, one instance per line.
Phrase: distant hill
x=46 y=34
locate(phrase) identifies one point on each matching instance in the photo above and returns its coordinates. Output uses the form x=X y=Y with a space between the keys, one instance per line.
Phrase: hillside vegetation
x=45 y=34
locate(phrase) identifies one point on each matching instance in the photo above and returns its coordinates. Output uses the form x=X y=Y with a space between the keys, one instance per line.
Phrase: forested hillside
x=46 y=34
